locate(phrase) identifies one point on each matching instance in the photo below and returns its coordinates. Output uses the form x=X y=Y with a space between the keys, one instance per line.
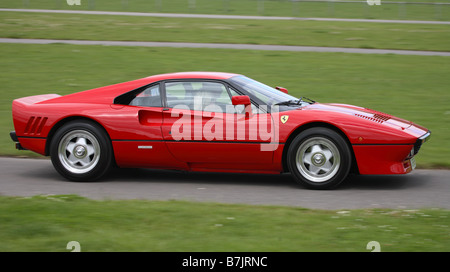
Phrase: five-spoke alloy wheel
x=81 y=151
x=319 y=158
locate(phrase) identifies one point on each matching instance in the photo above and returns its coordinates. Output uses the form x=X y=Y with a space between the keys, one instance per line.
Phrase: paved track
x=420 y=189
x=218 y=16
x=230 y=46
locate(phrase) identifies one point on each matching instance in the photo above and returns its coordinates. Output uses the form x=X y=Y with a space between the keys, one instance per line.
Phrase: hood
x=364 y=113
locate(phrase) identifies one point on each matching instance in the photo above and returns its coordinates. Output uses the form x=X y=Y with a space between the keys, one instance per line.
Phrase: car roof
x=193 y=75
x=108 y=93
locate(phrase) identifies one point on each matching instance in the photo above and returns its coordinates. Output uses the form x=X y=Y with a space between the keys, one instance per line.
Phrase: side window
x=150 y=97
x=213 y=97
x=198 y=95
x=179 y=94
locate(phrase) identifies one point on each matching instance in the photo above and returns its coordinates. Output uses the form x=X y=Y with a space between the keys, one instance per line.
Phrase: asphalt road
x=230 y=46
x=420 y=189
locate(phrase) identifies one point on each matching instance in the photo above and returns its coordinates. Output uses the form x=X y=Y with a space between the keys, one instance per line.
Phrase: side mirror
x=281 y=89
x=243 y=100
x=240 y=100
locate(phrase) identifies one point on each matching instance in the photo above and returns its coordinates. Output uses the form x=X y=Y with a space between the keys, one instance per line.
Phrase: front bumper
x=422 y=139
x=388 y=159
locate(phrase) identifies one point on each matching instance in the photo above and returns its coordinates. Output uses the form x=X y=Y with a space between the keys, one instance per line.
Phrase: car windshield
x=268 y=95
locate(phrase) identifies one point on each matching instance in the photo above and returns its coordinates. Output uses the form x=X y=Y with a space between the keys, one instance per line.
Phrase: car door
x=203 y=128
x=138 y=123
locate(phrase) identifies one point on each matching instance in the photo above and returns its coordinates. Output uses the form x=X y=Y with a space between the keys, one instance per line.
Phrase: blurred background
x=387 y=9
x=413 y=85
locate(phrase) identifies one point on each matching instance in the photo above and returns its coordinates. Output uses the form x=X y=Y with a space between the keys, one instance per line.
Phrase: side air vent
x=34 y=125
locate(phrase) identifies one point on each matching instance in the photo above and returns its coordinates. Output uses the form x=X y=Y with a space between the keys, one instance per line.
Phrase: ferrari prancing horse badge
x=284 y=118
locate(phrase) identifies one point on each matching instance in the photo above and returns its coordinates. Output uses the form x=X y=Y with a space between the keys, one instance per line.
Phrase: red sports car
x=220 y=122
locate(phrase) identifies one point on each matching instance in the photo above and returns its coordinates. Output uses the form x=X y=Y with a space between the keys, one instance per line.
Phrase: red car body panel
x=143 y=136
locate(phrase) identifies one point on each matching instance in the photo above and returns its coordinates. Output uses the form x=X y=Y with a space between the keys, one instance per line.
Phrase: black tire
x=81 y=151
x=319 y=158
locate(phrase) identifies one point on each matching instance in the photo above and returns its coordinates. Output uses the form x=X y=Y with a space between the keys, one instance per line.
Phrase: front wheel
x=319 y=158
x=81 y=151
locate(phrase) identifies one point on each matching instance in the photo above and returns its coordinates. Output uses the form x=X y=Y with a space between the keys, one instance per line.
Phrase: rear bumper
x=15 y=139
x=13 y=136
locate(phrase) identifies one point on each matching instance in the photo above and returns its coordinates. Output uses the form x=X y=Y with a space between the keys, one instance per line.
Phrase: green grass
x=411 y=87
x=310 y=33
x=48 y=223
x=253 y=7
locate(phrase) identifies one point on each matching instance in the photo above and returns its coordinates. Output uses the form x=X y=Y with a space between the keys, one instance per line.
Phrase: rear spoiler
x=36 y=98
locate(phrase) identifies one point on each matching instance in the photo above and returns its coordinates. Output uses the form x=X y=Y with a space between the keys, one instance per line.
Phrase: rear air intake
x=35 y=125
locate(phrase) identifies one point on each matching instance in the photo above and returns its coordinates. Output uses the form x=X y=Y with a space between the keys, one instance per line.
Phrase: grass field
x=310 y=33
x=48 y=223
x=411 y=87
x=254 y=7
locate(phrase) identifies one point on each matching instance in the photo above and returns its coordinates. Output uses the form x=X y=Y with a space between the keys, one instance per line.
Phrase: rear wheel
x=319 y=158
x=81 y=151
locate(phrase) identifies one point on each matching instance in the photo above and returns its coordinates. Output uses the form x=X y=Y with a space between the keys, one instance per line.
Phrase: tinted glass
x=150 y=97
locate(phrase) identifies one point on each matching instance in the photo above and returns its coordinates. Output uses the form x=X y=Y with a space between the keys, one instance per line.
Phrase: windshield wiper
x=289 y=102
x=296 y=102
x=309 y=99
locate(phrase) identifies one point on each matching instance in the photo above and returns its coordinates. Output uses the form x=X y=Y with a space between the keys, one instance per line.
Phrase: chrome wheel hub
x=79 y=151
x=318 y=159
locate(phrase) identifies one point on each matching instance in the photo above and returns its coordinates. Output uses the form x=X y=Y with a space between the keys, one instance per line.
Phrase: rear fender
x=28 y=119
